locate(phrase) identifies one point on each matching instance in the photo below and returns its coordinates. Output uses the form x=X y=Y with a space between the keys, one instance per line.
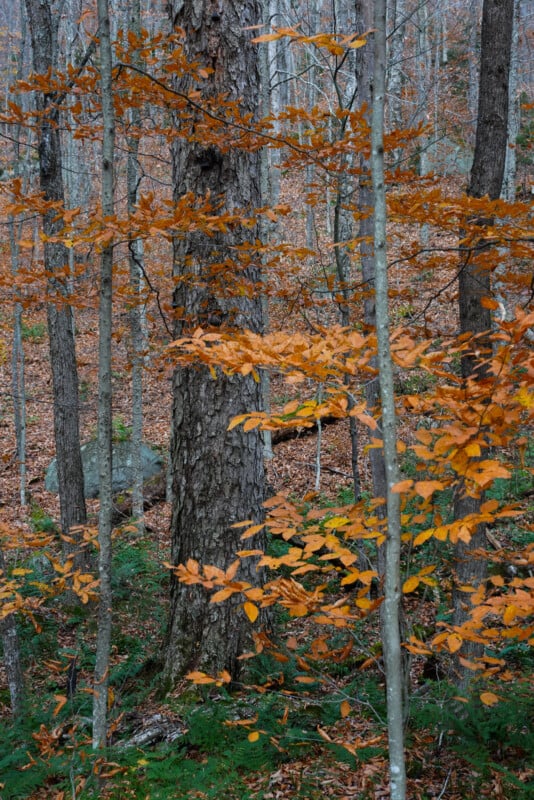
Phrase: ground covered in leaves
x=290 y=730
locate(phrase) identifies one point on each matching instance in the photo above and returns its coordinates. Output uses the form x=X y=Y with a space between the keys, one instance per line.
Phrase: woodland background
x=283 y=692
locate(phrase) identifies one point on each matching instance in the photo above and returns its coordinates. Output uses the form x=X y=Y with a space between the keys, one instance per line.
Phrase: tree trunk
x=217 y=474
x=43 y=30
x=137 y=332
x=103 y=644
x=12 y=660
x=390 y=617
x=475 y=281
x=366 y=232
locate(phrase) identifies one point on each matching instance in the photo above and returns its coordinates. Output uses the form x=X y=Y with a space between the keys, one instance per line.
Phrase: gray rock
x=151 y=460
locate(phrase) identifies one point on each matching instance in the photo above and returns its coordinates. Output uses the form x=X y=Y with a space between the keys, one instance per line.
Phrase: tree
x=43 y=22
x=392 y=590
x=474 y=287
x=217 y=474
x=103 y=646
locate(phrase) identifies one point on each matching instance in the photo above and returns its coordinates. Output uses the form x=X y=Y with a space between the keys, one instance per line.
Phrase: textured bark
x=12 y=660
x=390 y=616
x=475 y=282
x=137 y=327
x=366 y=209
x=103 y=642
x=217 y=474
x=43 y=29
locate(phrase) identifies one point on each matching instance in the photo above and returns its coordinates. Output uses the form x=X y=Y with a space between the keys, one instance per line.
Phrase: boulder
x=151 y=460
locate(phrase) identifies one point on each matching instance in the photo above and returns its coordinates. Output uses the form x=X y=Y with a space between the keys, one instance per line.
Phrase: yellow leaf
x=510 y=614
x=344 y=708
x=489 y=699
x=253 y=736
x=336 y=522
x=423 y=536
x=410 y=584
x=21 y=571
x=252 y=531
x=357 y=43
x=251 y=611
x=525 y=398
x=473 y=450
x=250 y=424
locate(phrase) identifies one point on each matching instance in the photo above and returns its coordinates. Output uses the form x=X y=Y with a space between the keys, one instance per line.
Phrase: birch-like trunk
x=103 y=644
x=137 y=326
x=514 y=111
x=391 y=612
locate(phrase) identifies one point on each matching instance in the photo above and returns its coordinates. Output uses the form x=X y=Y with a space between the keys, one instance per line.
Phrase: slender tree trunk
x=395 y=73
x=43 y=30
x=366 y=212
x=217 y=474
x=473 y=10
x=12 y=660
x=514 y=111
x=138 y=339
x=391 y=613
x=103 y=645
x=346 y=91
x=475 y=281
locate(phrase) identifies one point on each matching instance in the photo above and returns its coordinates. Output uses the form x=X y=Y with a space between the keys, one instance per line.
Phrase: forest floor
x=301 y=749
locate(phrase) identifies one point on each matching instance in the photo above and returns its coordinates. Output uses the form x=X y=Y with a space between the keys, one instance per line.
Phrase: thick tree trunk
x=475 y=281
x=43 y=29
x=217 y=474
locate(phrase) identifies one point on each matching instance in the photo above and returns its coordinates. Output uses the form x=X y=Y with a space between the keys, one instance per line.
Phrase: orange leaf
x=410 y=584
x=253 y=736
x=344 y=708
x=251 y=611
x=489 y=699
x=454 y=642
x=199 y=677
x=402 y=486
x=489 y=302
x=61 y=700
x=423 y=536
x=426 y=489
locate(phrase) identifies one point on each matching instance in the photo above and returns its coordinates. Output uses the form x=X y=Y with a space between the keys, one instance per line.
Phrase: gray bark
x=395 y=74
x=103 y=644
x=475 y=283
x=217 y=474
x=43 y=30
x=514 y=111
x=346 y=86
x=12 y=660
x=391 y=611
x=366 y=210
x=138 y=339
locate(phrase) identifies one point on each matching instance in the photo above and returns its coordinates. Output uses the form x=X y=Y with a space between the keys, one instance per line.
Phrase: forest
x=266 y=399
